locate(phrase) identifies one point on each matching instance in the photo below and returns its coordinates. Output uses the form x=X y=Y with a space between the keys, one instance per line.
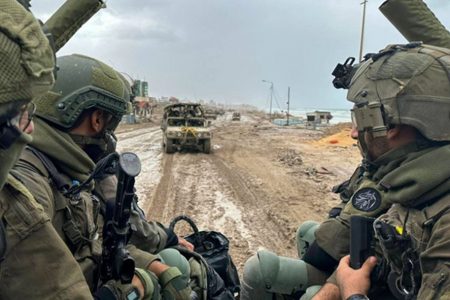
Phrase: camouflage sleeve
x=416 y=22
x=333 y=236
x=149 y=236
x=38 y=265
x=435 y=262
x=142 y=259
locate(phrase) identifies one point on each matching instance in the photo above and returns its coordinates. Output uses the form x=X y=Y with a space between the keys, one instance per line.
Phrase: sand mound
x=339 y=137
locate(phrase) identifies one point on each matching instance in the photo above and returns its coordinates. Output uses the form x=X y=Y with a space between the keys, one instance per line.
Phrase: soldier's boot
x=305 y=236
x=266 y=274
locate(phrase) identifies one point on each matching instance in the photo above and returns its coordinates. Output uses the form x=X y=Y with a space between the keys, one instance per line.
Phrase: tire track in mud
x=146 y=143
x=239 y=189
x=158 y=201
x=210 y=191
x=256 y=216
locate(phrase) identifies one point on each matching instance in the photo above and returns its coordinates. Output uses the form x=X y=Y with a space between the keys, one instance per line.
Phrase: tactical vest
x=417 y=225
x=74 y=216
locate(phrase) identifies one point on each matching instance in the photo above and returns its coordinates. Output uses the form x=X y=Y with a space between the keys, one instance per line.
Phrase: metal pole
x=361 y=45
x=271 y=96
x=289 y=96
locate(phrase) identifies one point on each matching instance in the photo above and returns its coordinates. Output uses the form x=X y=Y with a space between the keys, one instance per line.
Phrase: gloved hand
x=114 y=290
x=150 y=283
x=174 y=285
x=143 y=280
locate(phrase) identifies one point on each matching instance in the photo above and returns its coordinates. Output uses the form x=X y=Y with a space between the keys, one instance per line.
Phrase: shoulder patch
x=366 y=199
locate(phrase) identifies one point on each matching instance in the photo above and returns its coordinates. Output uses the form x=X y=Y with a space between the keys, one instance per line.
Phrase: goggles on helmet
x=369 y=117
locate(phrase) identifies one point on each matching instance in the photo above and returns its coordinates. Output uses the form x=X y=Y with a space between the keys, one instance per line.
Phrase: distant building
x=140 y=88
x=318 y=117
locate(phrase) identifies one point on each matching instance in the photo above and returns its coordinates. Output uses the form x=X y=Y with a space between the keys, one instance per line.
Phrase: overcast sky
x=223 y=49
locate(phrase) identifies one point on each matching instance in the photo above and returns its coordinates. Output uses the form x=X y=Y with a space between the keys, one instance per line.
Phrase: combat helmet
x=26 y=61
x=83 y=83
x=403 y=84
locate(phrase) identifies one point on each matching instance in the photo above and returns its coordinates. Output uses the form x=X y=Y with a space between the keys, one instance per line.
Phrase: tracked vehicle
x=184 y=126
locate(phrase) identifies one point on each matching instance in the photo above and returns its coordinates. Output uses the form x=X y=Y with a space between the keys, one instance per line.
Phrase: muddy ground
x=260 y=182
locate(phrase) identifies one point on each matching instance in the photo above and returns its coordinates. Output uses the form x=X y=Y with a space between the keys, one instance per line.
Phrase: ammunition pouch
x=404 y=276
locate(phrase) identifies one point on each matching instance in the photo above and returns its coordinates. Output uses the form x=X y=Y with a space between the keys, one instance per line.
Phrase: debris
x=290 y=157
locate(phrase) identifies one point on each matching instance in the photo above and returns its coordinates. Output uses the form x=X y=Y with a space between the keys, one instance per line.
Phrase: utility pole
x=271 y=98
x=361 y=45
x=289 y=96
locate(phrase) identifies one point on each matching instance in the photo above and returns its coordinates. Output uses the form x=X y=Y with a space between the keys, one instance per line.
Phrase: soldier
x=27 y=238
x=401 y=114
x=319 y=247
x=35 y=262
x=73 y=129
x=416 y=22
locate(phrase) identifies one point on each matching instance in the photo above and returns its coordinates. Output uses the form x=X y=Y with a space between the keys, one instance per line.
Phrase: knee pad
x=305 y=236
x=274 y=274
x=173 y=258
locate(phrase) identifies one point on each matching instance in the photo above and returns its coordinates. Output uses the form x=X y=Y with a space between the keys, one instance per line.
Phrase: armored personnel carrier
x=184 y=126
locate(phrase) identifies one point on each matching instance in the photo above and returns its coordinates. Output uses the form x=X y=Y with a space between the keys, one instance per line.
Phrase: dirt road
x=258 y=185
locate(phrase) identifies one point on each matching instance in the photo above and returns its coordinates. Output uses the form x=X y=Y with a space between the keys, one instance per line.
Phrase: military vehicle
x=236 y=116
x=210 y=114
x=184 y=126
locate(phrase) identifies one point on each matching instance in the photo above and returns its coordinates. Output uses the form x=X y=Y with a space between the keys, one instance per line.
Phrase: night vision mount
x=343 y=74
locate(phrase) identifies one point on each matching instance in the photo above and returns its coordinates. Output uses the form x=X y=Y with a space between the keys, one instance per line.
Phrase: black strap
x=320 y=259
x=2 y=241
x=190 y=222
x=184 y=218
x=53 y=172
x=106 y=165
x=431 y=221
x=70 y=229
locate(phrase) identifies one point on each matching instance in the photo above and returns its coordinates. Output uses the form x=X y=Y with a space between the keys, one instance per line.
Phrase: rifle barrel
x=65 y=22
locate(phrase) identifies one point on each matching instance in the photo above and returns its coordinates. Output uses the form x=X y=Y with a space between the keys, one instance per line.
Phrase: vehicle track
x=146 y=143
x=241 y=189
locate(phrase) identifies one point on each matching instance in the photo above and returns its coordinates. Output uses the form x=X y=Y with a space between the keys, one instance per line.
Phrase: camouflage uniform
x=77 y=217
x=320 y=247
x=380 y=183
x=409 y=85
x=26 y=71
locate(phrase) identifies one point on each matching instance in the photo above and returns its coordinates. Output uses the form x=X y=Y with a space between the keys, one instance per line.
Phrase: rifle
x=116 y=263
x=66 y=21
x=398 y=265
x=361 y=240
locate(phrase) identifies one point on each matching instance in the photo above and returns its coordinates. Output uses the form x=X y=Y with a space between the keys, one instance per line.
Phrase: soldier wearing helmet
x=27 y=238
x=401 y=121
x=401 y=112
x=74 y=128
